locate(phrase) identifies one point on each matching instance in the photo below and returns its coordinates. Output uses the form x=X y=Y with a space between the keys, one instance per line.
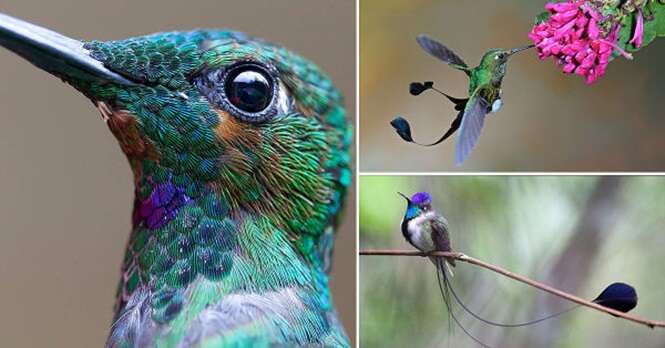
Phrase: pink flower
x=575 y=37
x=639 y=31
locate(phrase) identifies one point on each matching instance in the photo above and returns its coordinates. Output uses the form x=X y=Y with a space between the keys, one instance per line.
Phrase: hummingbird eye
x=247 y=90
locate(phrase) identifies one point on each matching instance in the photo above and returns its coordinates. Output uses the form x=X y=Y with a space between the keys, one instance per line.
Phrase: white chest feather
x=496 y=106
x=421 y=237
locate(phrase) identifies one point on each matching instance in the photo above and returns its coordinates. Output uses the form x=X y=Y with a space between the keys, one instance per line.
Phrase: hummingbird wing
x=440 y=235
x=472 y=125
x=441 y=52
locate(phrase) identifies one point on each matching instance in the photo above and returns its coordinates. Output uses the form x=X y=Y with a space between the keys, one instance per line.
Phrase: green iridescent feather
x=261 y=202
x=240 y=155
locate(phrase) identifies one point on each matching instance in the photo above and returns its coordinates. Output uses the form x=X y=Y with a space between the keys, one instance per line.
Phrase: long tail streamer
x=619 y=296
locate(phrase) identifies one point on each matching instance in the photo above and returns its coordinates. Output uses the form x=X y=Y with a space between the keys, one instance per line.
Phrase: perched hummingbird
x=484 y=94
x=423 y=227
x=427 y=231
x=240 y=155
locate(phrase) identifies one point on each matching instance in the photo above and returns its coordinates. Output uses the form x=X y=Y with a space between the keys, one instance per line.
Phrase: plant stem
x=464 y=258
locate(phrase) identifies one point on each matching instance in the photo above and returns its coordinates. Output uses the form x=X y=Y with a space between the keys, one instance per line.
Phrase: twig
x=464 y=258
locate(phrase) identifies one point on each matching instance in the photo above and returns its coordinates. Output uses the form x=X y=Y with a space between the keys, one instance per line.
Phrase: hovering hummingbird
x=484 y=94
x=240 y=155
x=428 y=231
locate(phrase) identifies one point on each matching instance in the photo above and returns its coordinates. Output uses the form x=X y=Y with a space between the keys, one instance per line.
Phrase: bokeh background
x=65 y=187
x=578 y=234
x=549 y=122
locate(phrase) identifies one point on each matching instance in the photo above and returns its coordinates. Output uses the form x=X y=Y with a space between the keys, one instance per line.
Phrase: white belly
x=420 y=238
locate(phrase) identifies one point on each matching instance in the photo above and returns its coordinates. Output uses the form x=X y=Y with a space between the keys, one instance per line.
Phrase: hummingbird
x=485 y=95
x=239 y=150
x=428 y=231
x=423 y=227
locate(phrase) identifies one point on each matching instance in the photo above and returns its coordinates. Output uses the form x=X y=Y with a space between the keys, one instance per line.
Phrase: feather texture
x=233 y=221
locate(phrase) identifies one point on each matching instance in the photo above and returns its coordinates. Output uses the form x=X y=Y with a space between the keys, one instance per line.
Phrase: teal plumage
x=235 y=212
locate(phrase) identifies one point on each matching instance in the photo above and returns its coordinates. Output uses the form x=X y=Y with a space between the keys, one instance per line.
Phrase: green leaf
x=652 y=28
x=543 y=17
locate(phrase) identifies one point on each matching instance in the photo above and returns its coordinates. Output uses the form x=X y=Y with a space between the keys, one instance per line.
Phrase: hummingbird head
x=211 y=111
x=228 y=137
x=496 y=60
x=239 y=150
x=419 y=203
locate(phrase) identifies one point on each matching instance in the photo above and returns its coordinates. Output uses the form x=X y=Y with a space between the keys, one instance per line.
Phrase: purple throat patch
x=160 y=207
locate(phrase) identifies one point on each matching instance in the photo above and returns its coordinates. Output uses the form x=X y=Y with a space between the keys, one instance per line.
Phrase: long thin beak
x=520 y=49
x=405 y=197
x=55 y=53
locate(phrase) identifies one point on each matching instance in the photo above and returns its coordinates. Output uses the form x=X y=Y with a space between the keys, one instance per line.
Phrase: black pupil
x=249 y=90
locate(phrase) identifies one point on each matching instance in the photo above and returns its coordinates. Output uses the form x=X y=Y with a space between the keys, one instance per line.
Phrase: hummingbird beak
x=54 y=53
x=520 y=49
x=405 y=197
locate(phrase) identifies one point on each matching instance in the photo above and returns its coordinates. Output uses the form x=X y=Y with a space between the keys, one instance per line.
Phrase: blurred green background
x=550 y=121
x=578 y=234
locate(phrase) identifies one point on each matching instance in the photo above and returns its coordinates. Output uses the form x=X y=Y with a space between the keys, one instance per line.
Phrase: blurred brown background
x=550 y=121
x=66 y=188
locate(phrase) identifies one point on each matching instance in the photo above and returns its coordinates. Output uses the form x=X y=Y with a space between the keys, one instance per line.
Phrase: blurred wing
x=472 y=126
x=439 y=51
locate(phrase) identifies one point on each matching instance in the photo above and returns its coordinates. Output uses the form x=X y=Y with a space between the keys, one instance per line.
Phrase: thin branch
x=464 y=258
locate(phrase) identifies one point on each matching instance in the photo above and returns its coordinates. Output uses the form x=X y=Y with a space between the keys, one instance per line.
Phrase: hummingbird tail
x=444 y=287
x=449 y=269
x=446 y=265
x=608 y=301
x=451 y=290
x=403 y=129
x=617 y=296
x=460 y=103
